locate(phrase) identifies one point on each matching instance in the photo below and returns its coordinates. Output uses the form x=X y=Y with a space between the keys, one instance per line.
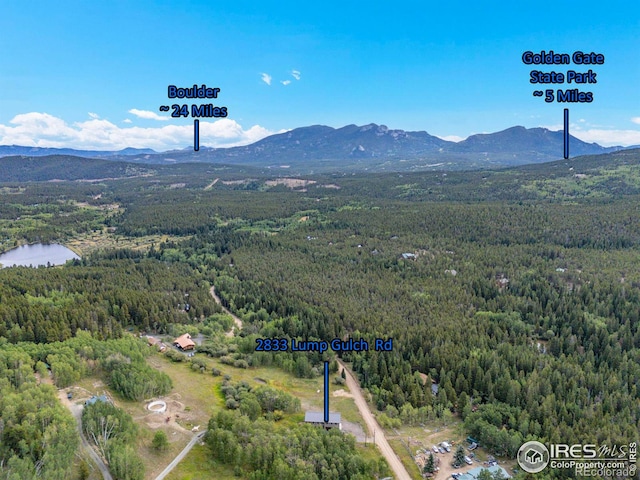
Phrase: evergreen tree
x=458 y=456
x=485 y=475
x=160 y=441
x=429 y=466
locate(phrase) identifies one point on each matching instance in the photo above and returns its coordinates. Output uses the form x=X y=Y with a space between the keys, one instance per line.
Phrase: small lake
x=37 y=254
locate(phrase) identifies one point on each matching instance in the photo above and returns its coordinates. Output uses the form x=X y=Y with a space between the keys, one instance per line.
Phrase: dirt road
x=210 y=186
x=181 y=455
x=237 y=321
x=372 y=425
x=76 y=410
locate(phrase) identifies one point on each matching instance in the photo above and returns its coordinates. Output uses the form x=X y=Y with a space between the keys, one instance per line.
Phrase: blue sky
x=93 y=74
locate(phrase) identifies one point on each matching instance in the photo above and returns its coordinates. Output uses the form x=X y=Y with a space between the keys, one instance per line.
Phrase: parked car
x=441 y=450
x=468 y=461
x=69 y=395
x=435 y=449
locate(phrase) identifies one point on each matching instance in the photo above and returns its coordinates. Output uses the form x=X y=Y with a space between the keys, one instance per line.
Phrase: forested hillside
x=518 y=294
x=549 y=330
x=102 y=296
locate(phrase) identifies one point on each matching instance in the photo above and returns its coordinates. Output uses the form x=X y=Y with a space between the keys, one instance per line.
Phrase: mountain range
x=370 y=147
x=10 y=150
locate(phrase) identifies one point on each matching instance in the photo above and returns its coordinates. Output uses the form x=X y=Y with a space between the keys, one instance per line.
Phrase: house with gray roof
x=317 y=419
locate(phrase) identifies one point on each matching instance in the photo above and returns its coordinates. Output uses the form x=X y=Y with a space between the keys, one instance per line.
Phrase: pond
x=37 y=254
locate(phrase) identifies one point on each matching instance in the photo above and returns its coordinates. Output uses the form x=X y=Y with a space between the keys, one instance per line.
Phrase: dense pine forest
x=517 y=292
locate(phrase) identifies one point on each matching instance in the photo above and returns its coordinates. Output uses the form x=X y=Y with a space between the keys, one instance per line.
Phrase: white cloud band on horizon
x=608 y=138
x=602 y=136
x=148 y=115
x=37 y=129
x=451 y=138
x=44 y=130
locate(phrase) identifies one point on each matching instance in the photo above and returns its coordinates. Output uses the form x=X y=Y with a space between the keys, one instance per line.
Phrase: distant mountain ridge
x=320 y=142
x=369 y=147
x=16 y=169
x=66 y=167
x=535 y=140
x=11 y=150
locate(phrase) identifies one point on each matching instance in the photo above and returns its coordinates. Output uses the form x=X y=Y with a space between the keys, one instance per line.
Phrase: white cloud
x=44 y=130
x=94 y=115
x=285 y=82
x=295 y=74
x=635 y=120
x=451 y=138
x=556 y=127
x=148 y=115
x=127 y=120
x=608 y=138
x=266 y=78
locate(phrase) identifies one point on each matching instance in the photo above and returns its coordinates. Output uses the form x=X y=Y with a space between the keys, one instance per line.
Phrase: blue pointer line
x=566 y=133
x=196 y=135
x=326 y=392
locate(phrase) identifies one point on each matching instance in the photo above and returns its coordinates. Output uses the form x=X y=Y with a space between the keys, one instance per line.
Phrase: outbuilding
x=317 y=419
x=102 y=398
x=473 y=474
